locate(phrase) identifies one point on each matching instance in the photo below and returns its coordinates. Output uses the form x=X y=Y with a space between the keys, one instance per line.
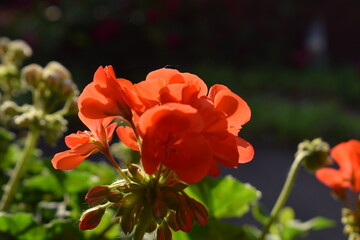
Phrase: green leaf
x=224 y=197
x=15 y=224
x=260 y=213
x=45 y=182
x=319 y=223
x=180 y=235
x=218 y=230
x=285 y=215
x=296 y=228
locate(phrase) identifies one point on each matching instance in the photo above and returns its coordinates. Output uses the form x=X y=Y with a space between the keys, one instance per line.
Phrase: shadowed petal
x=127 y=136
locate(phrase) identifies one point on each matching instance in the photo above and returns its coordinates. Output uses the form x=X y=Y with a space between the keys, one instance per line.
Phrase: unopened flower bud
x=127 y=221
x=91 y=217
x=163 y=233
x=55 y=74
x=31 y=74
x=172 y=221
x=130 y=200
x=184 y=217
x=17 y=51
x=136 y=173
x=199 y=211
x=10 y=108
x=315 y=154
x=159 y=209
x=171 y=197
x=57 y=69
x=97 y=194
x=114 y=196
x=4 y=41
x=152 y=227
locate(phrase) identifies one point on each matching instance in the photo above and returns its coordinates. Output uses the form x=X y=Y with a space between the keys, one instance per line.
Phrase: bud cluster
x=54 y=95
x=315 y=154
x=146 y=204
x=53 y=85
x=12 y=54
x=351 y=221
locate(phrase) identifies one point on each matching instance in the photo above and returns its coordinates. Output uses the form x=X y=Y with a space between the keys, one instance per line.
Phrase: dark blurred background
x=296 y=63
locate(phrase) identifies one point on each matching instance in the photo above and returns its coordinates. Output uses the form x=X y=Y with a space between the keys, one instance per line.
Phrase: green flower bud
x=315 y=154
x=114 y=196
x=31 y=74
x=10 y=108
x=16 y=51
x=127 y=221
x=136 y=173
x=4 y=41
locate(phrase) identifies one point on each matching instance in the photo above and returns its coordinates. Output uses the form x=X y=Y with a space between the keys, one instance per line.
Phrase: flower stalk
x=285 y=191
x=9 y=191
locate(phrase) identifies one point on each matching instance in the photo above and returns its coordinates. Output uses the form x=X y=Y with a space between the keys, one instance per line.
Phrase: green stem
x=117 y=167
x=9 y=191
x=284 y=194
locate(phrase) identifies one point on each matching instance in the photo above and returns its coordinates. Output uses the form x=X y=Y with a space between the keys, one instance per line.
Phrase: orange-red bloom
x=220 y=114
x=172 y=137
x=347 y=156
x=105 y=96
x=83 y=144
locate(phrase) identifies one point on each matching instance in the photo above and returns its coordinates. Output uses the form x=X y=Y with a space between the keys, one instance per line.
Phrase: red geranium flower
x=222 y=112
x=83 y=144
x=347 y=156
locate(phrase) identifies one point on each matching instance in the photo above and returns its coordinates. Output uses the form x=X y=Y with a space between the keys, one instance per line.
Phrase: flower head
x=83 y=144
x=347 y=156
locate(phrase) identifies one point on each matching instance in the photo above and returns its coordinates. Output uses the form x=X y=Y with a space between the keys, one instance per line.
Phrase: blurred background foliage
x=296 y=63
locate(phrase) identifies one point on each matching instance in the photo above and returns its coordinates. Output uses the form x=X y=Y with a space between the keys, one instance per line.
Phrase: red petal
x=75 y=139
x=128 y=137
x=341 y=154
x=225 y=151
x=236 y=109
x=67 y=160
x=214 y=169
x=246 y=151
x=164 y=74
x=331 y=177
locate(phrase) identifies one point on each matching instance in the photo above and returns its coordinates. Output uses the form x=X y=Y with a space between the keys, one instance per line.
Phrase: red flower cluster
x=347 y=156
x=178 y=123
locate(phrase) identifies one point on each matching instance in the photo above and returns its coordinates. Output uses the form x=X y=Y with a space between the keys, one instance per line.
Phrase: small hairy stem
x=9 y=191
x=117 y=167
x=284 y=194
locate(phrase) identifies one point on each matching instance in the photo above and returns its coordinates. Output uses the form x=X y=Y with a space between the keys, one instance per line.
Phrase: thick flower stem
x=285 y=192
x=9 y=191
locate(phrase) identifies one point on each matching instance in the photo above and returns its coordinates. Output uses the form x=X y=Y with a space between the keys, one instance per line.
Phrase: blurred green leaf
x=46 y=183
x=217 y=230
x=259 y=213
x=285 y=215
x=224 y=197
x=17 y=223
